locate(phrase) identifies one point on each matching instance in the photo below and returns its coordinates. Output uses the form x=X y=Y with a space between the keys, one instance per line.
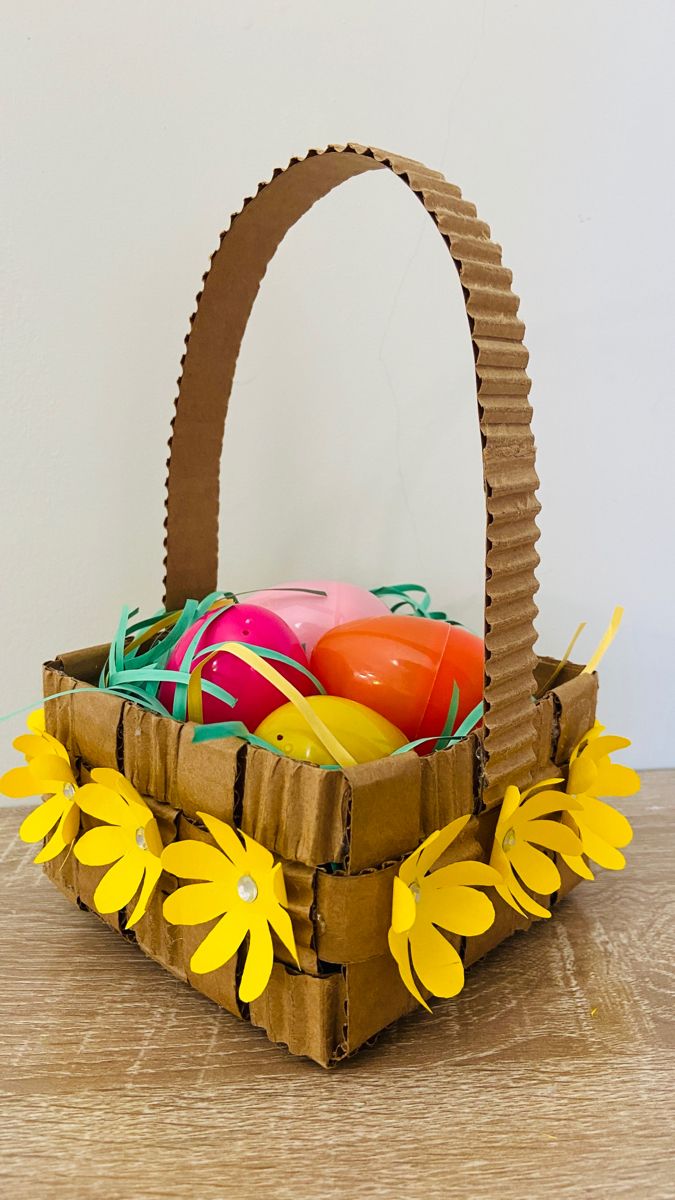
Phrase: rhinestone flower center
x=140 y=838
x=509 y=839
x=416 y=891
x=247 y=889
x=69 y=791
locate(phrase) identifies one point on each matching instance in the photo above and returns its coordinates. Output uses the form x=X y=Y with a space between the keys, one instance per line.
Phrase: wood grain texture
x=551 y=1075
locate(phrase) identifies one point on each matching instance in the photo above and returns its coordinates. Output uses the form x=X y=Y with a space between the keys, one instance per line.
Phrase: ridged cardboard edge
x=304 y=1013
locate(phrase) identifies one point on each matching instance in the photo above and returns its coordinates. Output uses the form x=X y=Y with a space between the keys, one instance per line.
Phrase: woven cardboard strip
x=360 y=818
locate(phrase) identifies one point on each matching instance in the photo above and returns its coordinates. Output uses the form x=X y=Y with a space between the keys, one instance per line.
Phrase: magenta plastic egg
x=310 y=616
x=255 y=697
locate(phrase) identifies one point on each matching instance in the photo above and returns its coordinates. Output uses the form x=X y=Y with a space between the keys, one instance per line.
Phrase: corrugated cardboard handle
x=218 y=326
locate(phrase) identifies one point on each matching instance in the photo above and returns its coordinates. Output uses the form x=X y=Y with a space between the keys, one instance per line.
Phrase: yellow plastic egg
x=363 y=733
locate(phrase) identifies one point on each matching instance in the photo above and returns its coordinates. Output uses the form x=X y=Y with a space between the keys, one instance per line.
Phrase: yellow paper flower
x=47 y=771
x=240 y=884
x=128 y=838
x=601 y=828
x=521 y=828
x=422 y=904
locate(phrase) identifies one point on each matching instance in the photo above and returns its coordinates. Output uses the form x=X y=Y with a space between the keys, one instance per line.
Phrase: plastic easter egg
x=310 y=616
x=255 y=696
x=364 y=733
x=405 y=668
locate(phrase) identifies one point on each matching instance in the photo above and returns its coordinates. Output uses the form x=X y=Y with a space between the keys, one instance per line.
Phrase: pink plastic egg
x=310 y=616
x=255 y=696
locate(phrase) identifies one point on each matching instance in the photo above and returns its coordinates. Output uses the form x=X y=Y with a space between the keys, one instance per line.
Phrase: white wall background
x=133 y=130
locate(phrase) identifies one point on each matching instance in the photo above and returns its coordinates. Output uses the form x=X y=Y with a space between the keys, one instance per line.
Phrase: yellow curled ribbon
x=196 y=711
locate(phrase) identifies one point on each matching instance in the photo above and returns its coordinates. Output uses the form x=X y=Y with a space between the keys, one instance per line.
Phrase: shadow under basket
x=340 y=834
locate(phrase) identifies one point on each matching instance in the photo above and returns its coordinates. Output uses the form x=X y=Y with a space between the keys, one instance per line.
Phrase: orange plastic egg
x=404 y=668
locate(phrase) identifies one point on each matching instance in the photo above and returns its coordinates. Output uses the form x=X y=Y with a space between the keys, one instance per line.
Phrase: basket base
x=325 y=1017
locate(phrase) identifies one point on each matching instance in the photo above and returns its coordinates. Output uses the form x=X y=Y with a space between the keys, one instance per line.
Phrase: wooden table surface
x=553 y=1074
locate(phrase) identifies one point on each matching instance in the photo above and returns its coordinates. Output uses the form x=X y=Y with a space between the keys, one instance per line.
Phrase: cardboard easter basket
x=340 y=835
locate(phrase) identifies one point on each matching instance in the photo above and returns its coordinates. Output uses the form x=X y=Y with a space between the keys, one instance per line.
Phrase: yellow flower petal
x=537 y=872
x=196 y=903
x=153 y=870
x=226 y=839
x=606 y=822
x=600 y=851
x=510 y=803
x=120 y=884
x=548 y=784
x=578 y=865
x=70 y=823
x=260 y=860
x=49 y=770
x=398 y=945
x=617 y=780
x=30 y=744
x=62 y=837
x=499 y=861
x=279 y=885
x=54 y=846
x=433 y=851
x=36 y=721
x=408 y=868
x=459 y=874
x=553 y=836
x=153 y=837
x=582 y=777
x=102 y=845
x=19 y=784
x=42 y=819
x=222 y=942
x=437 y=964
x=117 y=783
x=403 y=907
x=258 y=966
x=545 y=804
x=55 y=746
x=517 y=897
x=190 y=859
x=283 y=927
x=102 y=804
x=507 y=896
x=541 y=805
x=461 y=910
x=600 y=747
